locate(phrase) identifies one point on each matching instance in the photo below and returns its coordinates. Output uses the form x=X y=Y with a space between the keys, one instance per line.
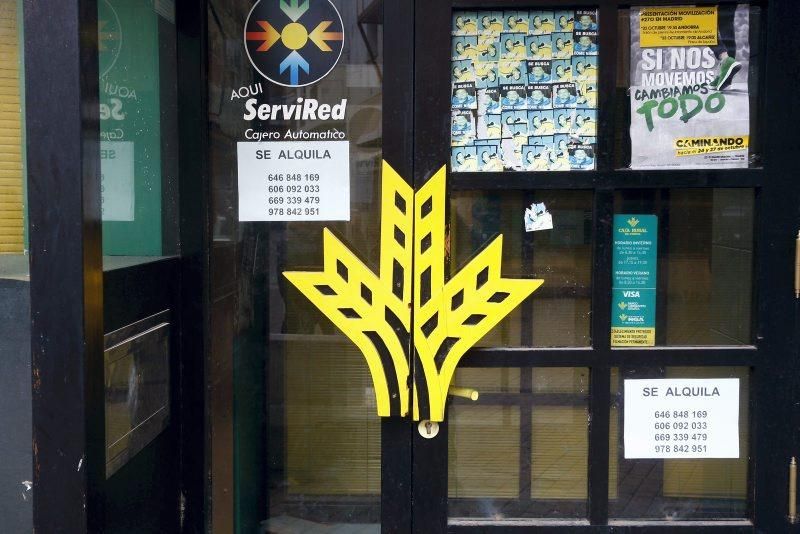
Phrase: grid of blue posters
x=524 y=90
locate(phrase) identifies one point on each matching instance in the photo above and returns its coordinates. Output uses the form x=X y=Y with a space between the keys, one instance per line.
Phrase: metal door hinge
x=793 y=490
x=797 y=266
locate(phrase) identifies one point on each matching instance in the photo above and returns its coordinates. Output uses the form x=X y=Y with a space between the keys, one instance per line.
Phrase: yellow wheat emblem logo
x=375 y=310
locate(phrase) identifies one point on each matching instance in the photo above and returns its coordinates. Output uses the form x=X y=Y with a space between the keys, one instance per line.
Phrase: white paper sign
x=294 y=181
x=538 y=218
x=116 y=180
x=682 y=418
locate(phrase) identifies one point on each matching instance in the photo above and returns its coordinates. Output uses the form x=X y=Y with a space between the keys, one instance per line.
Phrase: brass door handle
x=466 y=393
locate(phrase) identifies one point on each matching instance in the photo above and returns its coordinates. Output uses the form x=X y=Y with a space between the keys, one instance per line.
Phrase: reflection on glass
x=15 y=313
x=677 y=489
x=705 y=263
x=295 y=439
x=557 y=314
x=484 y=437
x=11 y=132
x=138 y=121
x=521 y=450
x=332 y=434
x=137 y=388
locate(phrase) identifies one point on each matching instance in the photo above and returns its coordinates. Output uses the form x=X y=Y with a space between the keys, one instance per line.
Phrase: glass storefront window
x=556 y=314
x=15 y=394
x=15 y=313
x=521 y=450
x=138 y=129
x=12 y=135
x=678 y=489
x=690 y=102
x=524 y=90
x=704 y=276
x=294 y=437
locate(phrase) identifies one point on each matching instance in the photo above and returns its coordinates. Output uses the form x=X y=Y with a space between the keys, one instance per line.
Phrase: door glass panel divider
x=397 y=434
x=533 y=4
x=617 y=178
x=607 y=65
x=745 y=355
x=600 y=375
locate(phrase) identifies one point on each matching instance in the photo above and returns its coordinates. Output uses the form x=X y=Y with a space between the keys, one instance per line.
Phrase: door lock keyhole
x=428 y=429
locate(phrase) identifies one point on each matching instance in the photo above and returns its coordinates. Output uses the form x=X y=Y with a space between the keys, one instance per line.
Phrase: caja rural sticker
x=294 y=43
x=635 y=260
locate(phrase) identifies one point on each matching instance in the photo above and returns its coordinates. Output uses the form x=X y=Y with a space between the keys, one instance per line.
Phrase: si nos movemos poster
x=689 y=93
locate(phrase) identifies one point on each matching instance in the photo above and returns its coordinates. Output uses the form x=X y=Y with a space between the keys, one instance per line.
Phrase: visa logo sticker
x=630 y=294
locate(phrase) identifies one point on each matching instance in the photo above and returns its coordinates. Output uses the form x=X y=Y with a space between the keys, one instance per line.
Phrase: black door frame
x=398 y=150
x=74 y=302
x=772 y=360
x=66 y=262
x=63 y=167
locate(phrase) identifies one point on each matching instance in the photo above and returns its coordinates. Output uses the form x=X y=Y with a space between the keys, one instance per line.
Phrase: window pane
x=556 y=314
x=294 y=432
x=520 y=450
x=717 y=96
x=705 y=263
x=679 y=489
x=138 y=128
x=524 y=90
x=12 y=147
x=15 y=313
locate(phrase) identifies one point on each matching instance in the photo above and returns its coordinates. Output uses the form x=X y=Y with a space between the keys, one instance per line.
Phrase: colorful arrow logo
x=269 y=36
x=279 y=35
x=294 y=62
x=294 y=9
x=319 y=36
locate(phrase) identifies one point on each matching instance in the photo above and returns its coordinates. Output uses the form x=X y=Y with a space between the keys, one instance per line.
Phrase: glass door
x=294 y=438
x=622 y=357
x=626 y=157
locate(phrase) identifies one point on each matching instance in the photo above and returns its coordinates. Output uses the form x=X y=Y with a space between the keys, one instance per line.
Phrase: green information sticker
x=633 y=302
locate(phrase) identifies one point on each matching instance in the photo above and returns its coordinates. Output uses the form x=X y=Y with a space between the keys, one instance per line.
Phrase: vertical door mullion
x=398 y=151
x=776 y=373
x=600 y=379
x=525 y=394
x=607 y=83
x=63 y=170
x=603 y=215
x=431 y=151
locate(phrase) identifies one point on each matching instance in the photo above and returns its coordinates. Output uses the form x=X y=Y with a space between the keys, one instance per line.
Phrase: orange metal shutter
x=11 y=218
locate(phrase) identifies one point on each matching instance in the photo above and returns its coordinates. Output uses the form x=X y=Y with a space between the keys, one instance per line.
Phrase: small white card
x=682 y=418
x=294 y=181
x=538 y=218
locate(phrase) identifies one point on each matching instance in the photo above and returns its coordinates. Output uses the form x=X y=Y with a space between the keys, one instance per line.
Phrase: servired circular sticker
x=294 y=43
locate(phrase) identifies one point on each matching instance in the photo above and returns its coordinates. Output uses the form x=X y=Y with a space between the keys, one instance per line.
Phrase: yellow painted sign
x=689 y=146
x=633 y=337
x=678 y=26
x=375 y=310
